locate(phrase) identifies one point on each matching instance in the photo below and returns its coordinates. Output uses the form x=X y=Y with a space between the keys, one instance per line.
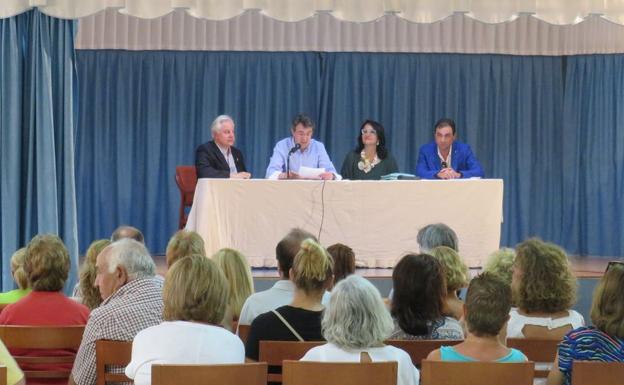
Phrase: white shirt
x=448 y=158
x=182 y=342
x=229 y=158
x=407 y=373
x=280 y=294
x=517 y=322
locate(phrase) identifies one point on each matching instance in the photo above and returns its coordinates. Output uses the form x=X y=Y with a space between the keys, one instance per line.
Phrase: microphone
x=444 y=165
x=292 y=150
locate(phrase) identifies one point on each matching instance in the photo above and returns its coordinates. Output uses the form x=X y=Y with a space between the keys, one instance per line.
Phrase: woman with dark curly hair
x=544 y=290
x=370 y=160
x=418 y=300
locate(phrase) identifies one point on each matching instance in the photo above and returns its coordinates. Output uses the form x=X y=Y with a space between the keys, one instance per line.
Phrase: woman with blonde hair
x=195 y=296
x=88 y=293
x=234 y=266
x=501 y=263
x=544 y=290
x=457 y=278
x=301 y=320
x=20 y=277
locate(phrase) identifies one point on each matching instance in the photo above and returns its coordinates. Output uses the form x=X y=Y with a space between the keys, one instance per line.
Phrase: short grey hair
x=356 y=317
x=434 y=235
x=133 y=256
x=218 y=123
x=303 y=119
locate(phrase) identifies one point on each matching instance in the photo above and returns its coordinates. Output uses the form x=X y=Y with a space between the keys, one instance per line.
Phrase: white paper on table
x=310 y=172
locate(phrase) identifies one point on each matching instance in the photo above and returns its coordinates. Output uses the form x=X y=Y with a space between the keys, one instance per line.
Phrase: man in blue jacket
x=445 y=158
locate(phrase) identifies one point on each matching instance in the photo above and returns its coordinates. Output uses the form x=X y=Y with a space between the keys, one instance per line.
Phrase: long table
x=378 y=219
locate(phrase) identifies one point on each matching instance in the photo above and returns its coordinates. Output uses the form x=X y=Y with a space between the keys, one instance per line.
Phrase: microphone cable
x=322 y=210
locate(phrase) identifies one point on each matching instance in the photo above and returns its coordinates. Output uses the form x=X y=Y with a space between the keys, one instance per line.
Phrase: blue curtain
x=143 y=113
x=37 y=119
x=593 y=154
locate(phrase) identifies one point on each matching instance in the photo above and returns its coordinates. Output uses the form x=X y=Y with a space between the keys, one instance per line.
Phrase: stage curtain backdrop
x=37 y=127
x=143 y=113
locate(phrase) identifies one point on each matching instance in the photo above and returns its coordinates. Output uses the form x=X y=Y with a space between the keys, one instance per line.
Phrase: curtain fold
x=143 y=113
x=37 y=116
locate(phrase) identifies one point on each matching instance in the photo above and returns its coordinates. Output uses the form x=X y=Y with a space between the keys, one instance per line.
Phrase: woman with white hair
x=355 y=325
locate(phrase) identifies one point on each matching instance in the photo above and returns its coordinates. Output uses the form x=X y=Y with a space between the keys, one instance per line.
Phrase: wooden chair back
x=536 y=350
x=3 y=375
x=243 y=332
x=476 y=373
x=420 y=349
x=340 y=373
x=66 y=338
x=595 y=372
x=186 y=179
x=275 y=353
x=241 y=374
x=111 y=353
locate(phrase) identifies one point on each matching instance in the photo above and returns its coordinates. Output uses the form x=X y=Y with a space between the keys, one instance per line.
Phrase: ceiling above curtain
x=558 y=12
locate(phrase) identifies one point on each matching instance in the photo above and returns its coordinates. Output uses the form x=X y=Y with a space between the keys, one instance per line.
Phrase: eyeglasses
x=613 y=263
x=365 y=131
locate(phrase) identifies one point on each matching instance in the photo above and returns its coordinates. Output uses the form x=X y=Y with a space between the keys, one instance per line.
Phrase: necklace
x=366 y=165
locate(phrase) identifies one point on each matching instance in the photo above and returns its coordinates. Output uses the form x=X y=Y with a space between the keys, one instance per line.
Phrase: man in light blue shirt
x=310 y=153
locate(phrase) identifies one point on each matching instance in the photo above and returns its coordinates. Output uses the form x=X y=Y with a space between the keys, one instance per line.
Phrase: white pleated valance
x=253 y=31
x=557 y=12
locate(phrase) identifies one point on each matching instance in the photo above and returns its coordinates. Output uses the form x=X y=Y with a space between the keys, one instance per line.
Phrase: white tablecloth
x=378 y=219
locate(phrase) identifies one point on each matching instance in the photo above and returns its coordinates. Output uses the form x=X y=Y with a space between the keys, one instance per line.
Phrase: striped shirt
x=137 y=305
x=588 y=344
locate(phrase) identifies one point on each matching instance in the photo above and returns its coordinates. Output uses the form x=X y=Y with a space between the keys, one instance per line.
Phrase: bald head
x=130 y=232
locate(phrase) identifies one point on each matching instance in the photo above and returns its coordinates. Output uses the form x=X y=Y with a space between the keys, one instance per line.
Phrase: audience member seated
x=195 y=298
x=20 y=278
x=355 y=325
x=604 y=341
x=283 y=291
x=418 y=301
x=125 y=231
x=46 y=264
x=237 y=272
x=434 y=235
x=486 y=313
x=344 y=261
x=301 y=320
x=132 y=302
x=15 y=376
x=85 y=290
x=182 y=244
x=544 y=290
x=457 y=278
x=501 y=263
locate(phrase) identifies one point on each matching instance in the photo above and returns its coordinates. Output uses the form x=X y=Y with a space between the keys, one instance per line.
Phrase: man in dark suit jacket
x=446 y=158
x=219 y=158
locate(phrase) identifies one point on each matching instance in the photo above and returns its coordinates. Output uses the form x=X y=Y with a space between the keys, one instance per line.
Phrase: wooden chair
x=276 y=352
x=340 y=373
x=597 y=373
x=3 y=375
x=111 y=353
x=186 y=179
x=243 y=332
x=536 y=350
x=420 y=349
x=65 y=338
x=476 y=373
x=241 y=374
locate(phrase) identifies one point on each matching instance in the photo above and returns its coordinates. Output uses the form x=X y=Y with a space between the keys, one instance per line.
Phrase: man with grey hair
x=132 y=302
x=219 y=158
x=434 y=235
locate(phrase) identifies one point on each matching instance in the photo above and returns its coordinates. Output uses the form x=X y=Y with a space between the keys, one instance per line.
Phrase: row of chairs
x=272 y=353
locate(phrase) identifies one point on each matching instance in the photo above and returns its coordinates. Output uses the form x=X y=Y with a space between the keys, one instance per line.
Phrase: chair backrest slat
x=340 y=373
x=470 y=373
x=418 y=350
x=536 y=350
x=248 y=374
x=276 y=352
x=111 y=353
x=595 y=372
x=243 y=332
